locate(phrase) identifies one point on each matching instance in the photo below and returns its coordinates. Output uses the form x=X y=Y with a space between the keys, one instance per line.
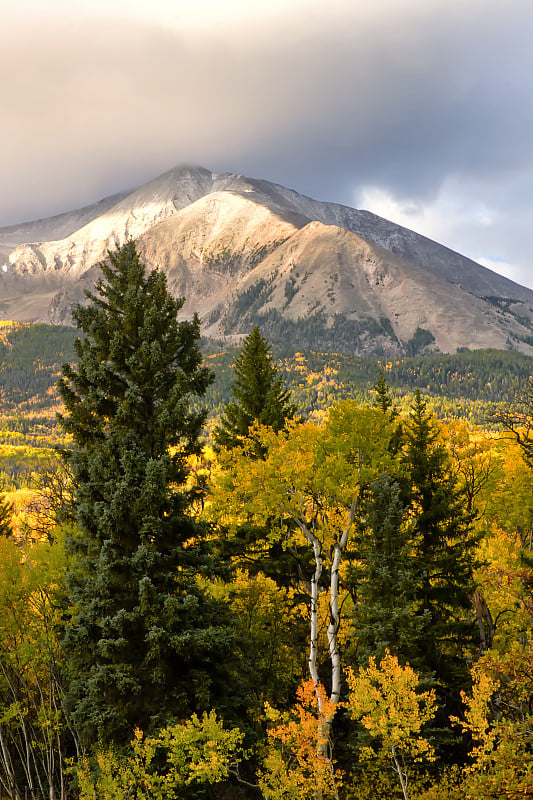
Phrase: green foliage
x=313 y=331
x=307 y=470
x=383 y=400
x=443 y=561
x=469 y=385
x=420 y=340
x=145 y=643
x=153 y=639
x=19 y=464
x=411 y=574
x=309 y=482
x=30 y=360
x=246 y=301
x=259 y=396
x=383 y=575
x=272 y=625
x=30 y=429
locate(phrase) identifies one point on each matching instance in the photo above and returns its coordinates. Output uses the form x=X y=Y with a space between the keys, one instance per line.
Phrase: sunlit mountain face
x=244 y=251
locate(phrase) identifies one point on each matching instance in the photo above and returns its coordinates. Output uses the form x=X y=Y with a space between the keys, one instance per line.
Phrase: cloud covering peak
x=422 y=109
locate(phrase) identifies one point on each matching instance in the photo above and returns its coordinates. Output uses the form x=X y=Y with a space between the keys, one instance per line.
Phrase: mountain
x=244 y=251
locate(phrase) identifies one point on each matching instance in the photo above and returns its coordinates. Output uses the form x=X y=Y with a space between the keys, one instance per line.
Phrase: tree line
x=333 y=610
x=467 y=383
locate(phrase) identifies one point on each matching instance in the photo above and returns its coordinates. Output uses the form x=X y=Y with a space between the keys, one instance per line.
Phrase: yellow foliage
x=502 y=758
x=476 y=721
x=385 y=699
x=271 y=619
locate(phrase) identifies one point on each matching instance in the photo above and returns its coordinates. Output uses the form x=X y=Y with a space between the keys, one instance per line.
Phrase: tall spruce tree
x=443 y=561
x=259 y=396
x=412 y=581
x=382 y=577
x=145 y=644
x=384 y=402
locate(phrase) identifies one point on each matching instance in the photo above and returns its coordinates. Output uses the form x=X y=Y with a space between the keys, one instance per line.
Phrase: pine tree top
x=384 y=400
x=258 y=392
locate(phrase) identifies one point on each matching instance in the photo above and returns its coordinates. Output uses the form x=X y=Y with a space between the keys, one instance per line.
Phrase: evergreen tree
x=382 y=580
x=442 y=562
x=384 y=402
x=412 y=581
x=383 y=399
x=259 y=396
x=6 y=516
x=145 y=644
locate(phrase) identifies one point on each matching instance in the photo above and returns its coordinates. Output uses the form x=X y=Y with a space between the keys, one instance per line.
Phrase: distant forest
x=473 y=382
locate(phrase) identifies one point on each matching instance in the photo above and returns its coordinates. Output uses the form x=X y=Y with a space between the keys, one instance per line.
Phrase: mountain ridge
x=245 y=251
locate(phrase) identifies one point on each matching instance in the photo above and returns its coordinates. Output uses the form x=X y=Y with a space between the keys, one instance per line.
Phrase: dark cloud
x=326 y=103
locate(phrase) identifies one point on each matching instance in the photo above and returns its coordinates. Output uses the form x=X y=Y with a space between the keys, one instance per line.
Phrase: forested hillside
x=31 y=357
x=30 y=361
x=467 y=385
x=470 y=385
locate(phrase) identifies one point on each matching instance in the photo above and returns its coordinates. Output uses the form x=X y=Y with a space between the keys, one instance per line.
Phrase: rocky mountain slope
x=245 y=251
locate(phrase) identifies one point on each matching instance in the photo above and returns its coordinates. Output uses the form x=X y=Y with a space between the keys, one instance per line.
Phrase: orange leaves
x=304 y=731
x=299 y=764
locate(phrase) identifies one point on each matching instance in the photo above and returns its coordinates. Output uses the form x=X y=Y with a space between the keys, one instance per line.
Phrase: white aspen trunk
x=10 y=783
x=399 y=770
x=326 y=717
x=323 y=728
x=315 y=587
x=24 y=748
x=334 y=619
x=59 y=748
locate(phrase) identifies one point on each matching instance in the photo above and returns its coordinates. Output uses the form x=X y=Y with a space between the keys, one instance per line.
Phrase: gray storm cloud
x=324 y=103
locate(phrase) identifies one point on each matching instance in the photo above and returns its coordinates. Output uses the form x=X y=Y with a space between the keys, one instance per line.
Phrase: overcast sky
x=418 y=110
